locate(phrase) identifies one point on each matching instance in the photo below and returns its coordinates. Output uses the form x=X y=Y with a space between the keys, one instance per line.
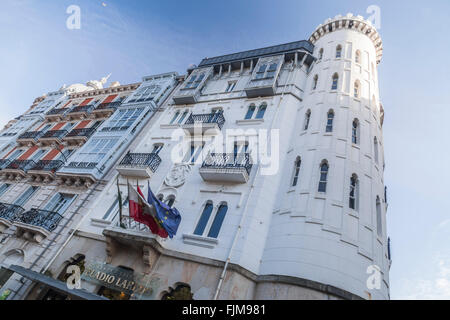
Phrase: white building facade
x=274 y=158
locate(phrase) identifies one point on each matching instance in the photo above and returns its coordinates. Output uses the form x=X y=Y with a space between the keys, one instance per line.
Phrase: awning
x=54 y=284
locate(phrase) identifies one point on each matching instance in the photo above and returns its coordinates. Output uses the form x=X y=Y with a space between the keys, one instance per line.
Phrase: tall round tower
x=330 y=231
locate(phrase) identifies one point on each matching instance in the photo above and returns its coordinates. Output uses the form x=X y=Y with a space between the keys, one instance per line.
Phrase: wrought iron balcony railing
x=31 y=135
x=82 y=165
x=228 y=161
x=10 y=212
x=47 y=220
x=4 y=163
x=23 y=165
x=216 y=117
x=48 y=165
x=57 y=134
x=82 y=109
x=150 y=160
x=85 y=132
x=57 y=112
x=111 y=105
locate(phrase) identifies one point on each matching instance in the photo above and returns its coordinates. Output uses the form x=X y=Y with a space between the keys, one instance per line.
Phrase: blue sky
x=133 y=38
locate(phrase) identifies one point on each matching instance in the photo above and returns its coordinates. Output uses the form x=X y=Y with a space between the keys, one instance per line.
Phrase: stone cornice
x=92 y=93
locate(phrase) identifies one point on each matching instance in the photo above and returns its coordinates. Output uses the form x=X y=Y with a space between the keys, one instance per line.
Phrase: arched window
x=218 y=221
x=160 y=197
x=355 y=132
x=175 y=117
x=182 y=292
x=170 y=201
x=250 y=112
x=358 y=56
x=379 y=218
x=330 y=120
x=375 y=149
x=307 y=120
x=354 y=192
x=298 y=163
x=357 y=89
x=321 y=54
x=335 y=82
x=206 y=214
x=261 y=111
x=323 y=176
x=315 y=81
x=339 y=51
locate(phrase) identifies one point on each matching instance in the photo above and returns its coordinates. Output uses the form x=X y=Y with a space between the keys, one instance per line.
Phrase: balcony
x=56 y=114
x=18 y=169
x=29 y=138
x=45 y=170
x=8 y=214
x=140 y=165
x=80 y=112
x=37 y=224
x=106 y=109
x=77 y=174
x=201 y=123
x=226 y=168
x=79 y=136
x=52 y=137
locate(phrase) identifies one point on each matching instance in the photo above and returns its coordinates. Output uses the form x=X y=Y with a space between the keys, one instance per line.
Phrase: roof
x=256 y=53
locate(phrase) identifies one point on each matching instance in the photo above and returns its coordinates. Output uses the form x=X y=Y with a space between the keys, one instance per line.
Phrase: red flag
x=142 y=212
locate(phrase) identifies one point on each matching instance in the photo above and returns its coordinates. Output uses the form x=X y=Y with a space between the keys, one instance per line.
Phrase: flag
x=167 y=217
x=140 y=211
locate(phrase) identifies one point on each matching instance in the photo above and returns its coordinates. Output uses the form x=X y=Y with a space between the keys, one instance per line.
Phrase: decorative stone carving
x=177 y=176
x=150 y=256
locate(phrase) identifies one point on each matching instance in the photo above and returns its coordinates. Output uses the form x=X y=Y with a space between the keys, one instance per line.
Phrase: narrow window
x=334 y=85
x=170 y=201
x=298 y=163
x=175 y=117
x=307 y=120
x=323 y=177
x=206 y=214
x=231 y=85
x=183 y=117
x=321 y=54
x=315 y=81
x=157 y=148
x=354 y=192
x=4 y=188
x=355 y=132
x=23 y=199
x=330 y=120
x=250 y=112
x=218 y=221
x=338 y=51
x=379 y=218
x=272 y=70
x=356 y=89
x=261 y=71
x=261 y=111
x=358 y=56
x=375 y=149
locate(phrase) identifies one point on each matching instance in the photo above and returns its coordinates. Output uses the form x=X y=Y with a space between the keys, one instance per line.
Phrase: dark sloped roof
x=244 y=55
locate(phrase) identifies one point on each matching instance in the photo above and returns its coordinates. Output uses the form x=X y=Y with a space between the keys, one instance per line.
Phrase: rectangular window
x=231 y=85
x=59 y=203
x=113 y=210
x=4 y=188
x=5 y=274
x=123 y=120
x=23 y=199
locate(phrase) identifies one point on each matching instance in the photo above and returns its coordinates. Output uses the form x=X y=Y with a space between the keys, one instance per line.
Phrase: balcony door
x=59 y=203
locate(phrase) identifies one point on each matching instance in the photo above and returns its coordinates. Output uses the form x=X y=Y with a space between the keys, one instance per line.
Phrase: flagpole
x=119 y=195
